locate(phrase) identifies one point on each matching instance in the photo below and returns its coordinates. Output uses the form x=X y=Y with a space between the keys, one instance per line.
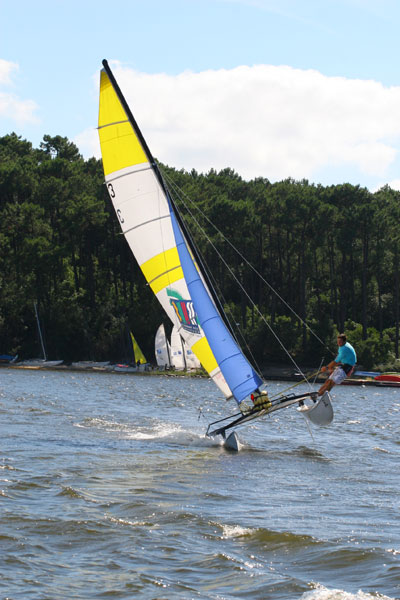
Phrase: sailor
x=341 y=367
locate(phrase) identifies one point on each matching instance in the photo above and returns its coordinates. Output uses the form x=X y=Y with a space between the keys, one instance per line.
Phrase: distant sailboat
x=177 y=351
x=171 y=264
x=182 y=357
x=175 y=354
x=162 y=348
x=140 y=358
x=140 y=362
x=192 y=362
x=40 y=362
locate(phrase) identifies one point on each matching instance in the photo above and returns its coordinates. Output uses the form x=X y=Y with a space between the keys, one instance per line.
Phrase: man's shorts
x=338 y=375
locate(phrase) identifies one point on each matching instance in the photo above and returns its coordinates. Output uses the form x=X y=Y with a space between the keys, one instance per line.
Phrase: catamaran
x=172 y=266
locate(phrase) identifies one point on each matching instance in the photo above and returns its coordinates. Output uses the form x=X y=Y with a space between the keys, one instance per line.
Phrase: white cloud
x=270 y=121
x=6 y=68
x=394 y=184
x=11 y=106
x=88 y=143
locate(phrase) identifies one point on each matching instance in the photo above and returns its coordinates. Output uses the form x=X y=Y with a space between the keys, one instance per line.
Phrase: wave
x=322 y=593
x=129 y=523
x=70 y=492
x=267 y=537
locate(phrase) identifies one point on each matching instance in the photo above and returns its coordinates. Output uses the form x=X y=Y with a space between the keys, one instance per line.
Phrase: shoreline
x=271 y=373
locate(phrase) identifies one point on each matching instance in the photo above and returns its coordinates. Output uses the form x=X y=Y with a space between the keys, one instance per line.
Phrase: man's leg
x=326 y=387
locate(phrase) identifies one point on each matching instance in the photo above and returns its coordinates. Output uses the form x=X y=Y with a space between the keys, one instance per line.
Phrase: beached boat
x=39 y=363
x=162 y=349
x=177 y=351
x=388 y=379
x=85 y=365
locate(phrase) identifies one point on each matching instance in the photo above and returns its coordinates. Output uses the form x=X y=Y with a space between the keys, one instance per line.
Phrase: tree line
x=325 y=259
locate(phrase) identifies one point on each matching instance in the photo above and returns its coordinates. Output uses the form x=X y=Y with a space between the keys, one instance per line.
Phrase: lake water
x=109 y=489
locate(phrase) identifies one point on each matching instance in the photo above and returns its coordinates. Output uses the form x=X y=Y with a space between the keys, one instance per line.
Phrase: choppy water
x=109 y=489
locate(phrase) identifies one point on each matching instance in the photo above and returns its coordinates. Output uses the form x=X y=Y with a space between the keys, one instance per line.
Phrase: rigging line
x=245 y=291
x=251 y=266
x=319 y=369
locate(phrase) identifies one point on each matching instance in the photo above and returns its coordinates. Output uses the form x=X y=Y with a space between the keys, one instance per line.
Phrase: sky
x=308 y=89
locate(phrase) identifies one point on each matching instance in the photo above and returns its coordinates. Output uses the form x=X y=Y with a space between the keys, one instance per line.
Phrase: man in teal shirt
x=341 y=367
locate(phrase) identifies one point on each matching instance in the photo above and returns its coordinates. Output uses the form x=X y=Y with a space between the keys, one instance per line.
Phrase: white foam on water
x=129 y=523
x=378 y=449
x=322 y=593
x=161 y=430
x=153 y=430
x=232 y=531
x=98 y=422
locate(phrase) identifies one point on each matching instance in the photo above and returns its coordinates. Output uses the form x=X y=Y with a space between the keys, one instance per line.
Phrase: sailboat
x=162 y=348
x=139 y=358
x=36 y=363
x=192 y=362
x=177 y=350
x=173 y=269
x=175 y=354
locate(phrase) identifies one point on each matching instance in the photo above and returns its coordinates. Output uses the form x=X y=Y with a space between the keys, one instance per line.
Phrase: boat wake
x=151 y=429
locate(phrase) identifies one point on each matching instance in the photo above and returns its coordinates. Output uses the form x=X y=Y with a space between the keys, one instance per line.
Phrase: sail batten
x=134 y=169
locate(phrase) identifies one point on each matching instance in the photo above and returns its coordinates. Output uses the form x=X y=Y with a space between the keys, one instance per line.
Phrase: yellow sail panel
x=166 y=279
x=161 y=263
x=204 y=353
x=163 y=269
x=120 y=146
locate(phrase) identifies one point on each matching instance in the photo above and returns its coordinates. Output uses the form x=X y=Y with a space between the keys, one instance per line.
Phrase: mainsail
x=155 y=234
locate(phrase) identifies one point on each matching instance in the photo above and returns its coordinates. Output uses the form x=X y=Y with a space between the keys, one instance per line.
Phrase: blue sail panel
x=239 y=374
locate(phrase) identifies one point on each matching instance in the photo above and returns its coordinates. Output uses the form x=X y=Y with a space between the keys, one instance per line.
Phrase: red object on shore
x=389 y=379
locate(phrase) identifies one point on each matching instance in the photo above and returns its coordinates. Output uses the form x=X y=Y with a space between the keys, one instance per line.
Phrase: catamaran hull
x=232 y=442
x=320 y=413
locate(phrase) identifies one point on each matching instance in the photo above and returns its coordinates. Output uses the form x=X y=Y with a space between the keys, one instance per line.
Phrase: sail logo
x=186 y=314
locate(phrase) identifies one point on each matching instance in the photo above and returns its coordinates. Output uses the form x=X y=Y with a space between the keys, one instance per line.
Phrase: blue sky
x=272 y=88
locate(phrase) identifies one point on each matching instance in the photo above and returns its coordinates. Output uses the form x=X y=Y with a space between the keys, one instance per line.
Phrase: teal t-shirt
x=346 y=355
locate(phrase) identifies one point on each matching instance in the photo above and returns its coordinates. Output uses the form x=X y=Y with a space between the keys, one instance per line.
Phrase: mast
x=161 y=181
x=40 y=331
x=167 y=347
